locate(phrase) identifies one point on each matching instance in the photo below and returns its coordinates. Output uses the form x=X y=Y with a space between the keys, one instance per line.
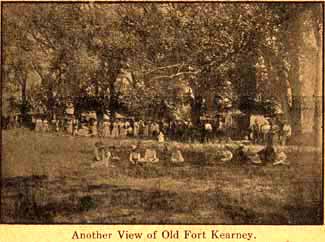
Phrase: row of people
x=175 y=130
x=183 y=131
x=105 y=154
x=243 y=154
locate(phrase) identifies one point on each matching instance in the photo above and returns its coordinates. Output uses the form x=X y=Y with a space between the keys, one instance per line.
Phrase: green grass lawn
x=48 y=179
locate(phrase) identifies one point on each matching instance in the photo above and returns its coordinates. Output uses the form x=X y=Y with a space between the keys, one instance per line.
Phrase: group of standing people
x=275 y=131
x=262 y=130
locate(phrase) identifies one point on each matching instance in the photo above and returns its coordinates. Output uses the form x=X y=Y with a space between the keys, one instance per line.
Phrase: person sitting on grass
x=254 y=157
x=244 y=155
x=176 y=156
x=150 y=156
x=225 y=154
x=281 y=159
x=103 y=156
x=271 y=154
x=268 y=153
x=135 y=156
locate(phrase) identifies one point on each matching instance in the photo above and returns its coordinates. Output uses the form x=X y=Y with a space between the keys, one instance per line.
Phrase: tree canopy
x=138 y=57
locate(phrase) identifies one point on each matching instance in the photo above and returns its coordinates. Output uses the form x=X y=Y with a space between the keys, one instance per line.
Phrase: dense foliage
x=144 y=57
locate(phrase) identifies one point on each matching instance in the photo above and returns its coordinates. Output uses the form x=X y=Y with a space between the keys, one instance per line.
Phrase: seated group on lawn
x=243 y=154
x=105 y=154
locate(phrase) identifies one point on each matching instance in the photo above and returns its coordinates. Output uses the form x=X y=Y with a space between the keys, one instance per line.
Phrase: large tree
x=165 y=47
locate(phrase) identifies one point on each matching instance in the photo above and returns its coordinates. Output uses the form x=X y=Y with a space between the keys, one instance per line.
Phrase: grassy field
x=48 y=179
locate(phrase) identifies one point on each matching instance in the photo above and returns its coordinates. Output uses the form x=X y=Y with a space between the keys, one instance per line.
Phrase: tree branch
x=162 y=68
x=176 y=75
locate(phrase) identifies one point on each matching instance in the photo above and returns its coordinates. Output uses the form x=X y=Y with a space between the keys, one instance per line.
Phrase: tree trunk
x=23 y=107
x=293 y=75
x=318 y=33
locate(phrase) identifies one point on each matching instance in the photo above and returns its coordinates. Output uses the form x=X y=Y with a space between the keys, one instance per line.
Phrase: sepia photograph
x=168 y=113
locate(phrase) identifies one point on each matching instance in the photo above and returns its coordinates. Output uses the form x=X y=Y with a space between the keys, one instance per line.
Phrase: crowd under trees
x=143 y=57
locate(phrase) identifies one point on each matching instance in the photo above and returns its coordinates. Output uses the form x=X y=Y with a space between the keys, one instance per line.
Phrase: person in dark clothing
x=268 y=154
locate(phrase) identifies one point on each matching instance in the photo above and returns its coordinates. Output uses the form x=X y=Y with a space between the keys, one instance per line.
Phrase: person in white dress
x=106 y=128
x=135 y=156
x=177 y=156
x=93 y=127
x=115 y=132
x=136 y=129
x=38 y=125
x=161 y=137
x=146 y=129
x=57 y=126
x=69 y=126
x=265 y=129
x=150 y=156
x=123 y=129
x=45 y=126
